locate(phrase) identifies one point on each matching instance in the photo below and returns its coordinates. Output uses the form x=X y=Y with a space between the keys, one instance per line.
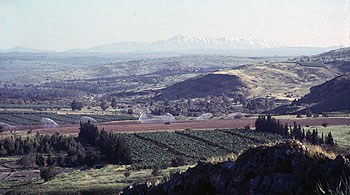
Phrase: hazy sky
x=67 y=24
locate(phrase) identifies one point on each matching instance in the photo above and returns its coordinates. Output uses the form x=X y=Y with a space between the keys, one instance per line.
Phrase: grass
x=317 y=151
x=110 y=178
x=9 y=158
x=340 y=133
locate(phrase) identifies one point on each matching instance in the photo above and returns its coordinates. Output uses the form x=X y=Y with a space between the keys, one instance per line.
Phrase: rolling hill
x=333 y=95
x=202 y=86
x=338 y=59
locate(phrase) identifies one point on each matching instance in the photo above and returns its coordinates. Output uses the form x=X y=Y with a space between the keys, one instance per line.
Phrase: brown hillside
x=202 y=86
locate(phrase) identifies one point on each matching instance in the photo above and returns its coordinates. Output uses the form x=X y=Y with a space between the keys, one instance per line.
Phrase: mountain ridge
x=184 y=42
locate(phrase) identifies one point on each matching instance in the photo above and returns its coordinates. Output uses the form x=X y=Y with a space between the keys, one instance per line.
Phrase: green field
x=340 y=133
x=149 y=150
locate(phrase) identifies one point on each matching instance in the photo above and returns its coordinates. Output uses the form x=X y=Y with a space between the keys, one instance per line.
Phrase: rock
x=285 y=168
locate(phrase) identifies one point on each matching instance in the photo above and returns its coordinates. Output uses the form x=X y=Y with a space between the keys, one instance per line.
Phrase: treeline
x=271 y=125
x=37 y=94
x=60 y=150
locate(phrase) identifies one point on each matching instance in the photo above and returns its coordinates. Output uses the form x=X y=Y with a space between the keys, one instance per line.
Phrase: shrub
x=47 y=173
x=127 y=173
x=178 y=161
x=156 y=171
x=27 y=161
x=39 y=160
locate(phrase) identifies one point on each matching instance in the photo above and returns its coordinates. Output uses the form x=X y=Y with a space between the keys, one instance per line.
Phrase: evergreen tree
x=76 y=105
x=47 y=173
x=50 y=161
x=329 y=139
x=89 y=133
x=39 y=160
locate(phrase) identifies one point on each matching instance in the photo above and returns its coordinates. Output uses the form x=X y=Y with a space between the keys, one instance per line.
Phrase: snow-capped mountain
x=187 y=42
x=183 y=42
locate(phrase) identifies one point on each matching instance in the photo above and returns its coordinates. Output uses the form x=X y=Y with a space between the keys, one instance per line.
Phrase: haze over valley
x=193 y=97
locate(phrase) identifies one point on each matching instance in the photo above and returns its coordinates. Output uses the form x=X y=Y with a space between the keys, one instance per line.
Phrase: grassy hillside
x=208 y=85
x=333 y=95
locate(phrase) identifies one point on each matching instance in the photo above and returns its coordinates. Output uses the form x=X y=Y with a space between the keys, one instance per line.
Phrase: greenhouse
x=150 y=118
x=85 y=119
x=48 y=123
x=6 y=126
x=205 y=116
x=235 y=115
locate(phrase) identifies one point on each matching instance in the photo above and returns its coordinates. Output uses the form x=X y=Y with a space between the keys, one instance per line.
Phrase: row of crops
x=34 y=106
x=151 y=149
x=34 y=118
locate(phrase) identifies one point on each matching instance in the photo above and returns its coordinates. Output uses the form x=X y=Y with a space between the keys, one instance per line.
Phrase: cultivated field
x=134 y=126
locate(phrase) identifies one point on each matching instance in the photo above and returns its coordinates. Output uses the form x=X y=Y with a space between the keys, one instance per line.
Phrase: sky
x=68 y=24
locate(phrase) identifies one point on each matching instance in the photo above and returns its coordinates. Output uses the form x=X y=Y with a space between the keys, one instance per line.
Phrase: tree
x=60 y=160
x=88 y=133
x=329 y=139
x=3 y=151
x=76 y=105
x=104 y=106
x=39 y=160
x=130 y=111
x=27 y=161
x=50 y=160
x=114 y=103
x=47 y=173
x=308 y=112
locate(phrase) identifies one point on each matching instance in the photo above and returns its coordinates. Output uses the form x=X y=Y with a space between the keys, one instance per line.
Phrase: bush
x=47 y=173
x=178 y=161
x=156 y=171
x=39 y=160
x=76 y=105
x=127 y=173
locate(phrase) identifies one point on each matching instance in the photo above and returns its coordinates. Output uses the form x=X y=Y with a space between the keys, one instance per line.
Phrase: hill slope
x=202 y=86
x=333 y=95
x=286 y=168
x=336 y=59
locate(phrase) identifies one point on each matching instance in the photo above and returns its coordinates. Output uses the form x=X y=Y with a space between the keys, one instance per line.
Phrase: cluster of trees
x=111 y=147
x=38 y=94
x=271 y=125
x=216 y=105
x=93 y=149
x=16 y=145
x=76 y=105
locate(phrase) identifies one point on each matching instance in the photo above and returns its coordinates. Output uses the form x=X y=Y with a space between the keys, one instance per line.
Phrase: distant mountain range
x=183 y=44
x=25 y=50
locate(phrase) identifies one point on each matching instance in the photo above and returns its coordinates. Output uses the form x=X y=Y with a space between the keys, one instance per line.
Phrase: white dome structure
x=167 y=117
x=150 y=118
x=85 y=119
x=6 y=126
x=48 y=123
x=205 y=116
x=235 y=115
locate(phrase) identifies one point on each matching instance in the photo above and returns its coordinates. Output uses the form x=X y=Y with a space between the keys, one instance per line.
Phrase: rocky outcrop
x=286 y=168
